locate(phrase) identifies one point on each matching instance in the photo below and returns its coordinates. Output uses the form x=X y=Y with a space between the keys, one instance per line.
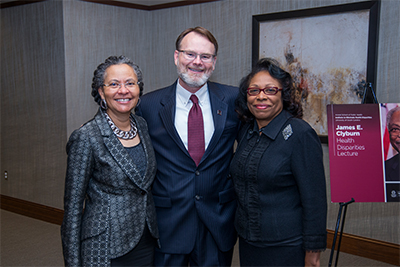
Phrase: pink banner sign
x=356 y=135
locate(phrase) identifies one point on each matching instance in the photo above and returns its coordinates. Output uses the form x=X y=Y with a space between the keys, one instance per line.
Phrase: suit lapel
x=167 y=114
x=219 y=112
x=149 y=153
x=117 y=151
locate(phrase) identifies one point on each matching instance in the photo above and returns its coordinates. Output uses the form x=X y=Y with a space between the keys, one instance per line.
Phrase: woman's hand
x=312 y=259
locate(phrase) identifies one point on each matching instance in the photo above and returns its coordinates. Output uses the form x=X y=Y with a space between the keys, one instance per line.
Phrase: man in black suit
x=193 y=193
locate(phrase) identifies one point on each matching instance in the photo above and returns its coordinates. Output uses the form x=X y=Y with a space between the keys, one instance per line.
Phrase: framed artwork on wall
x=331 y=52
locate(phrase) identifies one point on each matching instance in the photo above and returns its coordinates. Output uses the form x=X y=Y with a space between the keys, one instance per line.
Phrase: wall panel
x=33 y=102
x=94 y=32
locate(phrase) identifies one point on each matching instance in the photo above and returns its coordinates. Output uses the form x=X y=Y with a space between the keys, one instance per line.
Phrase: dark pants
x=270 y=256
x=141 y=255
x=205 y=253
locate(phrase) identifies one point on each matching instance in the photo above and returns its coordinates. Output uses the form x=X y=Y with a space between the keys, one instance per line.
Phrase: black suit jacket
x=183 y=193
x=392 y=171
x=280 y=182
x=103 y=179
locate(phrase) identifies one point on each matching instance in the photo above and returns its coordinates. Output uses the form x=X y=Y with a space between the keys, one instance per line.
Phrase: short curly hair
x=290 y=101
x=99 y=73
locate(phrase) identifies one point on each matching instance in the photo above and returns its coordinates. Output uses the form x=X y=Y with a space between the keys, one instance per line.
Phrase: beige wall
x=50 y=49
x=33 y=103
x=92 y=33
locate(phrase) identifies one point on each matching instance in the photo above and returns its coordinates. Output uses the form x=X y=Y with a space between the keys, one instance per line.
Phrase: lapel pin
x=219 y=112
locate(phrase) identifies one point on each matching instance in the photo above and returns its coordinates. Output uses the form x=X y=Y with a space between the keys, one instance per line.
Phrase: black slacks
x=141 y=255
x=270 y=256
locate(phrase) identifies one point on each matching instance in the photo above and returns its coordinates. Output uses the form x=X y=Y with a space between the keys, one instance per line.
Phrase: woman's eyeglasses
x=128 y=85
x=253 y=91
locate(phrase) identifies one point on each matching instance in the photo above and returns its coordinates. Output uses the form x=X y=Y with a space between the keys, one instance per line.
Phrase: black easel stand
x=366 y=87
x=341 y=231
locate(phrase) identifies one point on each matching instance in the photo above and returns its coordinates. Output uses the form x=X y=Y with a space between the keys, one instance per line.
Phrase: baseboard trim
x=352 y=244
x=366 y=247
x=31 y=209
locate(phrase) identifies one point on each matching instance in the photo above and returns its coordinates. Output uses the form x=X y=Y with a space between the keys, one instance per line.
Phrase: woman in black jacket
x=278 y=174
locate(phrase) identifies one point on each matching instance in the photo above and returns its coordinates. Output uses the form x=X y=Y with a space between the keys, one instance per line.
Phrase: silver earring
x=103 y=104
x=138 y=103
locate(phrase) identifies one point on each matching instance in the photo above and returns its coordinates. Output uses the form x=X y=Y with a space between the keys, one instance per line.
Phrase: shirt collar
x=183 y=95
x=274 y=127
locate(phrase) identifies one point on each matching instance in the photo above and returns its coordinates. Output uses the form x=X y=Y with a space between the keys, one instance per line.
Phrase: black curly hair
x=290 y=101
x=98 y=75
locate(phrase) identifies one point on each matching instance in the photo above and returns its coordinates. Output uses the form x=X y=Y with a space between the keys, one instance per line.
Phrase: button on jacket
x=103 y=179
x=280 y=183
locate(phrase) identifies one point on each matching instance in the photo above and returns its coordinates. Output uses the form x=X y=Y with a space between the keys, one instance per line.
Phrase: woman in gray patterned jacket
x=109 y=214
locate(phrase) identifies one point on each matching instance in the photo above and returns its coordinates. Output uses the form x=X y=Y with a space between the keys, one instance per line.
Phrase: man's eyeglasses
x=394 y=130
x=190 y=55
x=128 y=85
x=253 y=91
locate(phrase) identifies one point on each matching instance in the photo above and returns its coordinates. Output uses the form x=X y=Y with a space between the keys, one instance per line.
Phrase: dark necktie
x=195 y=131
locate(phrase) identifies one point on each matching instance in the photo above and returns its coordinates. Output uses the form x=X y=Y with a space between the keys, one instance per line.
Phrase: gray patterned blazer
x=103 y=179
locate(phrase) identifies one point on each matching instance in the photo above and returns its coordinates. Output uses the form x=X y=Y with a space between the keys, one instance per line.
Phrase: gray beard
x=191 y=82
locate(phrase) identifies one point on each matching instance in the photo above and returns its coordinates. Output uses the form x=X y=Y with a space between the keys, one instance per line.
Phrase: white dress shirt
x=183 y=106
